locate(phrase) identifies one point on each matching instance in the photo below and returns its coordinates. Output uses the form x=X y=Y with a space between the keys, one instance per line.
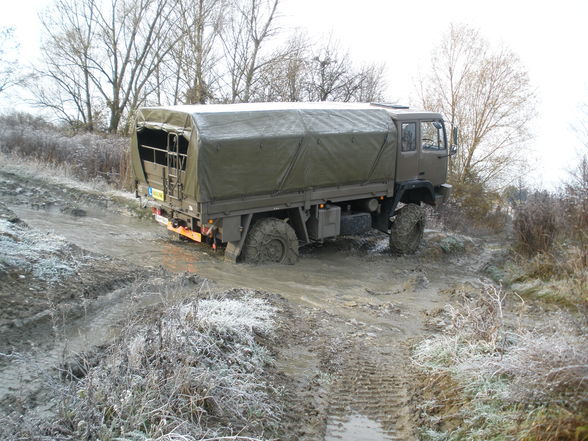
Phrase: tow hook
x=177 y=223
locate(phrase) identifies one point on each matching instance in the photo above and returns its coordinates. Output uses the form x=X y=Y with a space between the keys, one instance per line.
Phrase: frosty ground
x=109 y=330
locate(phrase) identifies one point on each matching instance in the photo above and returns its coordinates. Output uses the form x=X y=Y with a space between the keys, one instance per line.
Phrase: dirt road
x=350 y=312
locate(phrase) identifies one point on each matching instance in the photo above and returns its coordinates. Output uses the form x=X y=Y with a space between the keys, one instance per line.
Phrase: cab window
x=408 y=137
x=432 y=135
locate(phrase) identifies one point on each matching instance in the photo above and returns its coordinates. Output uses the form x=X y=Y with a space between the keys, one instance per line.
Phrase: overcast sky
x=551 y=39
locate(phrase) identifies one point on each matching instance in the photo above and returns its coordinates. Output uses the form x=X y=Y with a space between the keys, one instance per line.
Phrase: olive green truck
x=264 y=179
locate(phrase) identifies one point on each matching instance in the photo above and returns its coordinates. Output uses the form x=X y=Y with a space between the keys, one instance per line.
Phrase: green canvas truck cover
x=238 y=150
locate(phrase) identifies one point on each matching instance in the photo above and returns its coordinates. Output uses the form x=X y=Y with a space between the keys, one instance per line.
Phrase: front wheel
x=271 y=240
x=407 y=230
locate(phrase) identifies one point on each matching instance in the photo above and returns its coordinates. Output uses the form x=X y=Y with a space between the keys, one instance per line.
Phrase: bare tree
x=251 y=24
x=8 y=65
x=581 y=126
x=578 y=179
x=333 y=77
x=104 y=58
x=134 y=35
x=193 y=59
x=284 y=77
x=371 y=84
x=486 y=93
x=103 y=51
x=299 y=72
x=67 y=52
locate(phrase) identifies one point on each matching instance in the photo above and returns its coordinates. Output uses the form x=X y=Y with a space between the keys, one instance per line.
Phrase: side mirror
x=453 y=149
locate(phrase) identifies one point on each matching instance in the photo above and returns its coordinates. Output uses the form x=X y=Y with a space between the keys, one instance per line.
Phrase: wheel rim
x=415 y=233
x=274 y=250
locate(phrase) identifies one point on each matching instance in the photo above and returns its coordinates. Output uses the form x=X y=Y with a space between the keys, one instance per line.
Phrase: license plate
x=161 y=219
x=156 y=194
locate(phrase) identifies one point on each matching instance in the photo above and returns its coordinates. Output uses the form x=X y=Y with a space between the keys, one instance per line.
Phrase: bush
x=87 y=155
x=536 y=224
x=473 y=208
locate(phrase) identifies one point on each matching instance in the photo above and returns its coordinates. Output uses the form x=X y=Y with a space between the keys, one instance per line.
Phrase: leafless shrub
x=552 y=236
x=88 y=156
x=473 y=209
x=536 y=224
x=479 y=316
x=575 y=207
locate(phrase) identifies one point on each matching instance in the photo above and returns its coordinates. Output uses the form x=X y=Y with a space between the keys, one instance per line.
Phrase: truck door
x=408 y=160
x=433 y=152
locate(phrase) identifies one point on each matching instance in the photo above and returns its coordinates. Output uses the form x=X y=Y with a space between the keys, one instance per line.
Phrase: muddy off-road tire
x=271 y=240
x=407 y=229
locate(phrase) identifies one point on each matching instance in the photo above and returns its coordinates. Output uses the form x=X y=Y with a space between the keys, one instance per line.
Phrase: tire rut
x=369 y=401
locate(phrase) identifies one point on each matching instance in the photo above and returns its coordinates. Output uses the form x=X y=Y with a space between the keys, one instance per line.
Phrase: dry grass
x=555 y=423
x=88 y=156
x=552 y=241
x=546 y=369
x=536 y=224
x=192 y=372
x=499 y=383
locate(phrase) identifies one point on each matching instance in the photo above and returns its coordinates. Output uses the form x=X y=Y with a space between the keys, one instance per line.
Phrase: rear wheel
x=407 y=230
x=271 y=240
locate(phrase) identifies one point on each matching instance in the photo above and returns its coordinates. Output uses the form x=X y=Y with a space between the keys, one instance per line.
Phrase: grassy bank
x=501 y=371
x=189 y=371
x=84 y=156
x=510 y=361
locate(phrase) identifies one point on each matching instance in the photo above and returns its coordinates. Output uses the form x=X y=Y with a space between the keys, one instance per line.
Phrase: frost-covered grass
x=46 y=256
x=86 y=156
x=503 y=384
x=551 y=236
x=194 y=371
x=59 y=174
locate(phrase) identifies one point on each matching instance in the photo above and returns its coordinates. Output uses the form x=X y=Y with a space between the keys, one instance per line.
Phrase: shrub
x=473 y=208
x=536 y=224
x=87 y=155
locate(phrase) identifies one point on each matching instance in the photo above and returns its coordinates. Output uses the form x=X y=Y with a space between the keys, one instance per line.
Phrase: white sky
x=551 y=39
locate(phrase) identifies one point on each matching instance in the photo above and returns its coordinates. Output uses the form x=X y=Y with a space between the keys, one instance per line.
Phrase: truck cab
x=423 y=150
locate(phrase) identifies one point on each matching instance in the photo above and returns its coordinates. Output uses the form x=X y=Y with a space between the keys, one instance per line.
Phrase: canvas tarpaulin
x=251 y=149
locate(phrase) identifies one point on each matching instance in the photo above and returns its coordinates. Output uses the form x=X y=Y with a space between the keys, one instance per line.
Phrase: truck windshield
x=432 y=135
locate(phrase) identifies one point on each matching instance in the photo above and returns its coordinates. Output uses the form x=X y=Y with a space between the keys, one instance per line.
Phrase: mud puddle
x=327 y=277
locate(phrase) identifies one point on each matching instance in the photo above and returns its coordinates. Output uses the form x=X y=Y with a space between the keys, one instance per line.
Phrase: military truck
x=264 y=179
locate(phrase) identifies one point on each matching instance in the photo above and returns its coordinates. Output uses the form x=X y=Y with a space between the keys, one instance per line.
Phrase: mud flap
x=234 y=248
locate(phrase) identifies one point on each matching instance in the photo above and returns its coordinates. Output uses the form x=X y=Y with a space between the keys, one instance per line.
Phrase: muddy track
x=349 y=310
x=368 y=392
